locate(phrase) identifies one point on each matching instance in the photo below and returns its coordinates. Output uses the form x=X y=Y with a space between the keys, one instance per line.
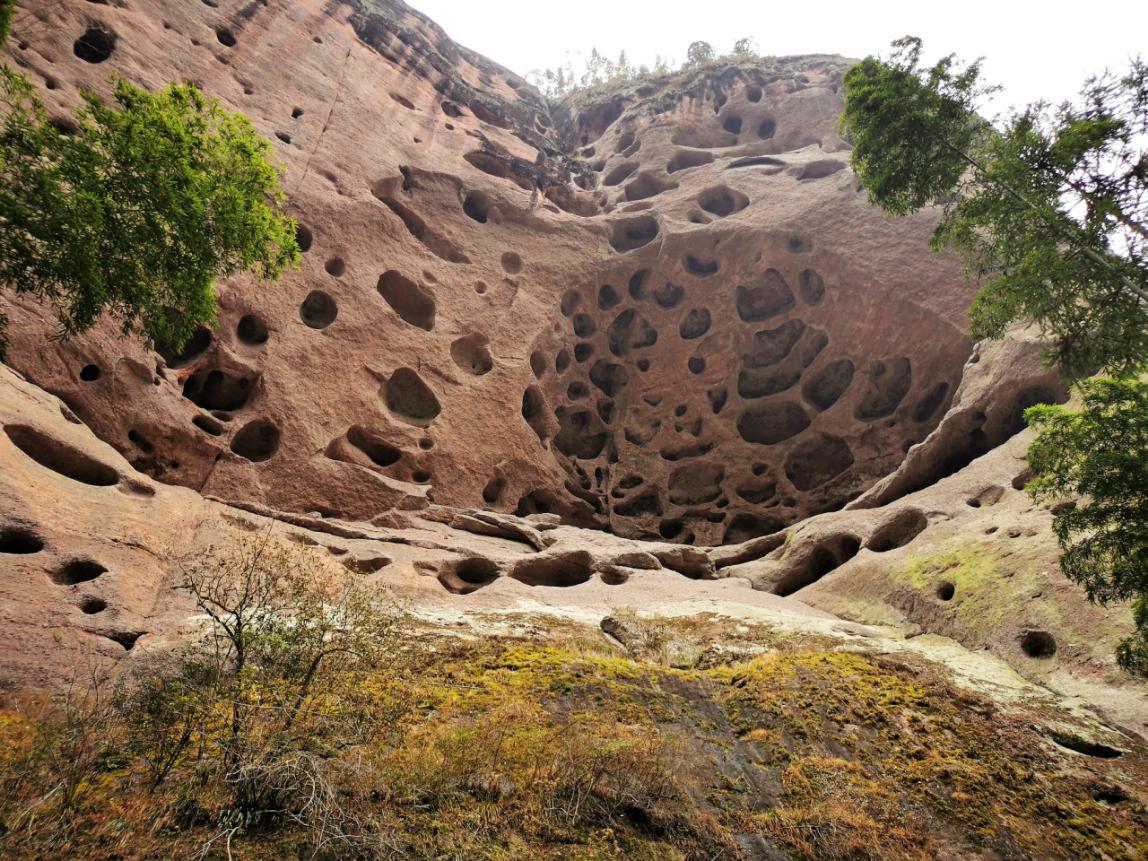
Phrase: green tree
x=745 y=48
x=137 y=211
x=1048 y=208
x=7 y=10
x=699 y=53
x=1099 y=452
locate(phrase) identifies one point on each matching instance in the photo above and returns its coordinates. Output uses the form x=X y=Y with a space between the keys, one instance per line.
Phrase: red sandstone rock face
x=669 y=311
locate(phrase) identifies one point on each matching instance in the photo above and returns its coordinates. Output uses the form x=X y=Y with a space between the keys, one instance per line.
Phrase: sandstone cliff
x=533 y=353
x=671 y=306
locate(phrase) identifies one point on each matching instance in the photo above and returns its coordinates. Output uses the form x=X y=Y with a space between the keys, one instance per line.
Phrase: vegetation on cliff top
x=599 y=72
x=1050 y=209
x=136 y=208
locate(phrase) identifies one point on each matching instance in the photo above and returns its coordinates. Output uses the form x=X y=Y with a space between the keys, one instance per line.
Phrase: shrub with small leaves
x=137 y=211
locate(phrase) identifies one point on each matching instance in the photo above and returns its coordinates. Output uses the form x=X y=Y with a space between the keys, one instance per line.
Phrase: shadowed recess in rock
x=409 y=300
x=61 y=457
x=409 y=398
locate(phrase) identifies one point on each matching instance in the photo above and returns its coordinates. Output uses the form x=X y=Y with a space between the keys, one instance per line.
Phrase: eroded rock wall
x=668 y=311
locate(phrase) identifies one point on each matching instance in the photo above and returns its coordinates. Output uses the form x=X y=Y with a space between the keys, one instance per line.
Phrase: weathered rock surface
x=668 y=311
x=92 y=551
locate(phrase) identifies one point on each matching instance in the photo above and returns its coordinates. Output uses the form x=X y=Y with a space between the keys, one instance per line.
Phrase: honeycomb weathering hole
x=826 y=386
x=252 y=330
x=476 y=205
x=568 y=569
x=684 y=159
x=127 y=639
x=628 y=331
x=722 y=201
x=696 y=483
x=631 y=233
x=695 y=324
x=1038 y=644
x=417 y=227
x=821 y=168
x=208 y=425
x=930 y=402
x=366 y=564
x=584 y=325
x=899 y=531
x=636 y=286
x=811 y=287
x=194 y=347
x=609 y=377
x=17 y=539
x=96 y=45
x=889 y=381
x=303 y=237
x=946 y=591
x=614 y=576
x=746 y=526
x=318 y=310
x=256 y=441
x=216 y=390
x=647 y=184
x=492 y=492
x=772 y=423
x=381 y=453
x=61 y=457
x=1087 y=747
x=468 y=575
x=77 y=571
x=581 y=434
x=648 y=502
x=989 y=496
x=768 y=296
x=409 y=300
x=472 y=354
x=533 y=409
x=813 y=462
x=91 y=605
x=409 y=398
x=830 y=554
x=620 y=173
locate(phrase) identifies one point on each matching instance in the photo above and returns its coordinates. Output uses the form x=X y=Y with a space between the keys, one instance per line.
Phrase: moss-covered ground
x=564 y=745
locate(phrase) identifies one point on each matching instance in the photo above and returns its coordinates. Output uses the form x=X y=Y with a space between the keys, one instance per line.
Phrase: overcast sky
x=1032 y=48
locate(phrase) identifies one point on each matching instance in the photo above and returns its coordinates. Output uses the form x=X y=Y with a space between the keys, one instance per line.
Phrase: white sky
x=1034 y=49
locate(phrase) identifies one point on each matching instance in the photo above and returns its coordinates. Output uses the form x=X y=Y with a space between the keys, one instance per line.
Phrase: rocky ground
x=642 y=372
